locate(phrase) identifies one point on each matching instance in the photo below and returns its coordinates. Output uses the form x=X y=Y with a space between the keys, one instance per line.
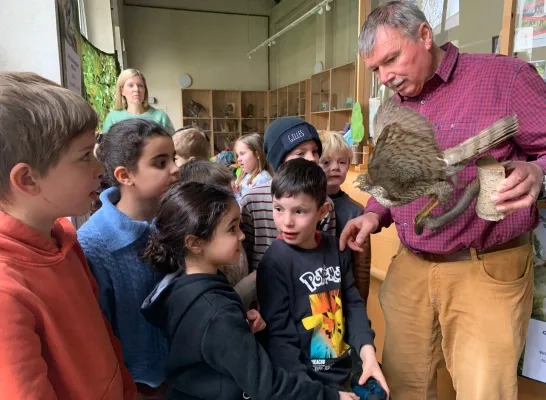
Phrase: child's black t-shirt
x=312 y=309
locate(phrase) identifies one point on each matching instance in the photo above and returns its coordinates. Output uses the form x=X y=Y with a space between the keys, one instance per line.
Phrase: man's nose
x=384 y=76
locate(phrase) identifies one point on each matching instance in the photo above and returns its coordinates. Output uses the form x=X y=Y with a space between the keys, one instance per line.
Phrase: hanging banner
x=100 y=74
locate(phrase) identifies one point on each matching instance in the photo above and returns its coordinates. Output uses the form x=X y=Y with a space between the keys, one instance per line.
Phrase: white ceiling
x=256 y=7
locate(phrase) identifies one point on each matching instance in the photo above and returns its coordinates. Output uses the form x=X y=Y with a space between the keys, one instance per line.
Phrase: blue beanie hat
x=284 y=135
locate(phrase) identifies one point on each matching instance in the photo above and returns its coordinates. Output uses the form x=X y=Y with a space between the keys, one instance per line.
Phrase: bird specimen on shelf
x=407 y=163
x=228 y=109
x=193 y=109
x=249 y=129
x=250 y=111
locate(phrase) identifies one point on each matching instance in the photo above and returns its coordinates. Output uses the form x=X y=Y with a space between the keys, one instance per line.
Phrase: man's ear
x=425 y=34
x=123 y=176
x=24 y=179
x=193 y=244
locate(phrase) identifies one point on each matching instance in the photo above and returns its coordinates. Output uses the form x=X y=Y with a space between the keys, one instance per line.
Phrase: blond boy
x=190 y=144
x=54 y=339
x=335 y=162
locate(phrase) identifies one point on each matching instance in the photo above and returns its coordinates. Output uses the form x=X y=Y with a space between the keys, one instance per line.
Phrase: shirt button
x=452 y=126
x=405 y=224
x=422 y=101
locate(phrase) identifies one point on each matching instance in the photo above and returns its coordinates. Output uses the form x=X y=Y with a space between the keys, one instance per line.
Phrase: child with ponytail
x=138 y=159
x=237 y=275
x=213 y=352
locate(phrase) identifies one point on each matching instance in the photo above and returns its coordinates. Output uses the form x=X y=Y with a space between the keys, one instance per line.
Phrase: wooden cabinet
x=225 y=115
x=290 y=101
x=325 y=100
x=333 y=94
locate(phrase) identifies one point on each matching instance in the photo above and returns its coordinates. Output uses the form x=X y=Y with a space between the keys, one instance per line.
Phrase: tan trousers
x=473 y=315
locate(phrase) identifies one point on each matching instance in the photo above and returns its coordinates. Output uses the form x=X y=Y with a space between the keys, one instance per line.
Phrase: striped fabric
x=258 y=225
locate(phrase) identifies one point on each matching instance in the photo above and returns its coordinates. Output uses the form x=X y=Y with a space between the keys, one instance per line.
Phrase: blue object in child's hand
x=371 y=390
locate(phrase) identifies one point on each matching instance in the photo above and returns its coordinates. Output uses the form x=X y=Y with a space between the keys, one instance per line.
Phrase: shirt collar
x=26 y=244
x=318 y=237
x=447 y=65
x=116 y=228
x=336 y=195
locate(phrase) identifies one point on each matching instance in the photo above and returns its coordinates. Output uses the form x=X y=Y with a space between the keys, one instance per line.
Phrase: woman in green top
x=132 y=102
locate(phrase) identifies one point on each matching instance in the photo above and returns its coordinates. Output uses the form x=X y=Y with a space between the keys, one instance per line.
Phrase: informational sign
x=533 y=361
x=530 y=25
x=70 y=44
x=534 y=356
x=73 y=69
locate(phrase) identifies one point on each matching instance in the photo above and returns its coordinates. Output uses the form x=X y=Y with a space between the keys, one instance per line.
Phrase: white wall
x=258 y=7
x=29 y=38
x=119 y=31
x=294 y=55
x=210 y=47
x=346 y=29
x=330 y=38
x=100 y=31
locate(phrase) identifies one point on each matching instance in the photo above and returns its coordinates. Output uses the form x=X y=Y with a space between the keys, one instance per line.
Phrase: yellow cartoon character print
x=328 y=324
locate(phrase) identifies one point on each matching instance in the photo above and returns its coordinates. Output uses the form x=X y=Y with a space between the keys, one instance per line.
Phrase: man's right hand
x=357 y=230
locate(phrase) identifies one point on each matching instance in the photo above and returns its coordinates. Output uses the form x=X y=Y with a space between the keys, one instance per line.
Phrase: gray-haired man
x=462 y=295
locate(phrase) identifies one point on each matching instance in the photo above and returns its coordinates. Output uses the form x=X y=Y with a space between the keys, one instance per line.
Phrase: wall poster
x=71 y=48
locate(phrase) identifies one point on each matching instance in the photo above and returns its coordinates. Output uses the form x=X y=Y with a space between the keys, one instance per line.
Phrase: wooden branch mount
x=490 y=174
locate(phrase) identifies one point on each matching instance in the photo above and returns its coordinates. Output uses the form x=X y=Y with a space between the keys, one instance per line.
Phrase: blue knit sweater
x=112 y=243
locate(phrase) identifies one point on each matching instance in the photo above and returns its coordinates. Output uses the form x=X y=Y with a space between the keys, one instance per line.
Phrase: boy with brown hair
x=190 y=144
x=55 y=341
x=306 y=289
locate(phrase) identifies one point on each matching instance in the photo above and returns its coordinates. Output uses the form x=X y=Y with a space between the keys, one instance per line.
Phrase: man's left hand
x=521 y=188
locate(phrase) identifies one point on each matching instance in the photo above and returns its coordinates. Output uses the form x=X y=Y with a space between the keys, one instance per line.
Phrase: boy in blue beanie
x=285 y=139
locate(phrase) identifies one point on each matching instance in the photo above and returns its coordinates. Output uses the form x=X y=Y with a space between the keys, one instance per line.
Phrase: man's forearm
x=384 y=214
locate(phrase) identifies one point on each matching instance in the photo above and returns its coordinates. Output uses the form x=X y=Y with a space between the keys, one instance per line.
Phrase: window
x=433 y=10
x=452 y=14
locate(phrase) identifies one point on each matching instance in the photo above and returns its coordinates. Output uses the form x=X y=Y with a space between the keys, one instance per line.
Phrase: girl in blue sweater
x=138 y=159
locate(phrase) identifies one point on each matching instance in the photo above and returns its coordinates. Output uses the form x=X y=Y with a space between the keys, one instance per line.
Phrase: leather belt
x=466 y=254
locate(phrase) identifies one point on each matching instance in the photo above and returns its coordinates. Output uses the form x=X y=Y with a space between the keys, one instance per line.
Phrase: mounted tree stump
x=490 y=174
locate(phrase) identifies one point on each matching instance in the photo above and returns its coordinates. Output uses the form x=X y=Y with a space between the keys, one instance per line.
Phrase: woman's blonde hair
x=255 y=143
x=121 y=103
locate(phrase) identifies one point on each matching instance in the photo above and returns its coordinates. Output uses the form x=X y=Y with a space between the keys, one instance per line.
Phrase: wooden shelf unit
x=226 y=114
x=290 y=101
x=333 y=93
